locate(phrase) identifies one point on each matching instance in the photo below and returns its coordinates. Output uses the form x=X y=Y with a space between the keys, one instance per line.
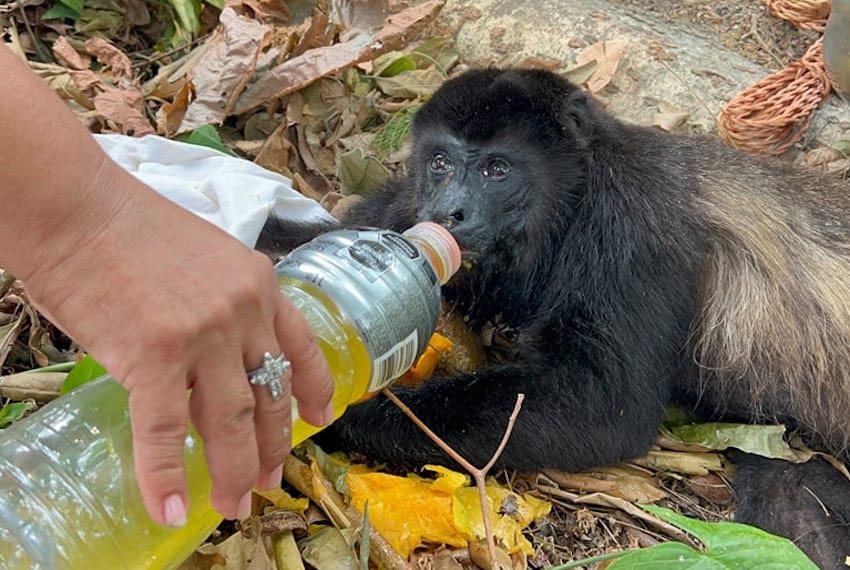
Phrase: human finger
x=222 y=410
x=273 y=413
x=312 y=384
x=159 y=418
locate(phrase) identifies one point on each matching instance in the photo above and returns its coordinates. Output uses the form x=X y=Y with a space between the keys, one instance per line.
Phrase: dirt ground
x=744 y=26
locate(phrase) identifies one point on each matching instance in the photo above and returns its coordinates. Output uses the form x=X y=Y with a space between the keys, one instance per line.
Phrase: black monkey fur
x=635 y=267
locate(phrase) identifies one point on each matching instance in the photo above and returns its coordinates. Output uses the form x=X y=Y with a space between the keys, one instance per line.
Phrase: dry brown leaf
x=680 y=462
x=61 y=81
x=226 y=68
x=615 y=481
x=39 y=386
x=480 y=555
x=710 y=487
x=341 y=206
x=607 y=54
x=170 y=115
x=317 y=34
x=66 y=54
x=275 y=152
x=122 y=109
x=111 y=57
x=820 y=157
x=298 y=72
x=547 y=63
x=263 y=9
x=238 y=552
x=669 y=121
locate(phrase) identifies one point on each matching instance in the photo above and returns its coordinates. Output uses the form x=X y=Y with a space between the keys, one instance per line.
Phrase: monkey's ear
x=578 y=116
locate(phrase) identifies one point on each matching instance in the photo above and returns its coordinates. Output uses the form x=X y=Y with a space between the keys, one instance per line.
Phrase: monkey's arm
x=572 y=418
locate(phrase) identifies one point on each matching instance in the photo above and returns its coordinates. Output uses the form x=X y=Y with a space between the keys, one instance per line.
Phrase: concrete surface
x=688 y=70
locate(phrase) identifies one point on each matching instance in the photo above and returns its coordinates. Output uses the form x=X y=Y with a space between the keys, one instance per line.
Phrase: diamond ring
x=271 y=373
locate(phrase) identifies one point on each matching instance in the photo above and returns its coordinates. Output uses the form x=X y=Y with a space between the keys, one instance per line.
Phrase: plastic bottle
x=68 y=495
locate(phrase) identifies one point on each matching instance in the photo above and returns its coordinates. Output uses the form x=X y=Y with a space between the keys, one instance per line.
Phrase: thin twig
x=163 y=55
x=479 y=475
x=689 y=88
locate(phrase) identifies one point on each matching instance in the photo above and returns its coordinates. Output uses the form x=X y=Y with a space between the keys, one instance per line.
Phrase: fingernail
x=243 y=509
x=273 y=480
x=328 y=415
x=175 y=511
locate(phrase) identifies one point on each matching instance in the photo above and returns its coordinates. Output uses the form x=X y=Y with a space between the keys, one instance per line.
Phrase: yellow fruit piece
x=409 y=511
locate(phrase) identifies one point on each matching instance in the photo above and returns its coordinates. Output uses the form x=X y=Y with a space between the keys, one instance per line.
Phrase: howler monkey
x=633 y=266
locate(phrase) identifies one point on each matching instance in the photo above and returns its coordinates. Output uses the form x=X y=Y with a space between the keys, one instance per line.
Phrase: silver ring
x=274 y=368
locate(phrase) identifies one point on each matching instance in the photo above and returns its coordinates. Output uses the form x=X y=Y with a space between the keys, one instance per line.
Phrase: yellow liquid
x=129 y=538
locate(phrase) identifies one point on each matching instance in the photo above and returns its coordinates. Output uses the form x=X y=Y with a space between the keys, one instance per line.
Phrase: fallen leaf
x=580 y=74
x=622 y=482
x=225 y=69
x=411 y=84
x=359 y=173
x=110 y=57
x=480 y=555
x=327 y=549
x=122 y=109
x=66 y=54
x=238 y=552
x=681 y=462
x=668 y=118
x=547 y=63
x=317 y=34
x=298 y=72
x=764 y=440
x=38 y=386
x=171 y=114
x=608 y=55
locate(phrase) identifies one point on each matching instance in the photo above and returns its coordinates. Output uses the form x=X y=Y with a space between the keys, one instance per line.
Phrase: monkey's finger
x=159 y=418
x=312 y=384
x=222 y=409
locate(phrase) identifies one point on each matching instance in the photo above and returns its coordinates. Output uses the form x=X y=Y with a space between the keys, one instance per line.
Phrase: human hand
x=167 y=302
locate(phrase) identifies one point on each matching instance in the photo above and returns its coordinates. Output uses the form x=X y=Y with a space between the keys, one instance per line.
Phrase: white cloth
x=232 y=193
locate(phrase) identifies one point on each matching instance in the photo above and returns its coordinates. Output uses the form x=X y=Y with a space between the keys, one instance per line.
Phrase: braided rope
x=770 y=116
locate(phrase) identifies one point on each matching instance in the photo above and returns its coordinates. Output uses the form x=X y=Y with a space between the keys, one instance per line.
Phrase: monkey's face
x=483 y=193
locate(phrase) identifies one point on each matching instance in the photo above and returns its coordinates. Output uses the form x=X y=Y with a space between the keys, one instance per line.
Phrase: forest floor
x=336 y=136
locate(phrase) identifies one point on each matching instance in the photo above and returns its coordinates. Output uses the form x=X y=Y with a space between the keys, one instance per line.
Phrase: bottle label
x=382 y=285
x=394 y=362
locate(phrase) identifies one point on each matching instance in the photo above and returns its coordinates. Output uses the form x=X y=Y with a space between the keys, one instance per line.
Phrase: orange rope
x=772 y=115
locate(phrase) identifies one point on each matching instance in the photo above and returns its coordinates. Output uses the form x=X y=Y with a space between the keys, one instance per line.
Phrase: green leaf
x=393 y=63
x=411 y=84
x=392 y=135
x=359 y=173
x=728 y=546
x=207 y=136
x=842 y=146
x=440 y=52
x=13 y=412
x=107 y=22
x=61 y=11
x=188 y=14
x=75 y=6
x=767 y=441
x=86 y=370
x=216 y=3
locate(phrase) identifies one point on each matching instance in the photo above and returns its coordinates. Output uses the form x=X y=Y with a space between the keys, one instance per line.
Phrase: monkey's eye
x=497 y=169
x=441 y=163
